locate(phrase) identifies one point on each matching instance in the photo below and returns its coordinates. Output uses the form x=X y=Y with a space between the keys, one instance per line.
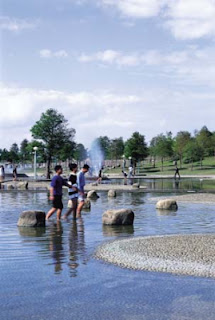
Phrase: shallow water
x=51 y=273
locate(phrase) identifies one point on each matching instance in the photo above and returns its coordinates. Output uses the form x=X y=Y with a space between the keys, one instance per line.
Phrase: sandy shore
x=180 y=254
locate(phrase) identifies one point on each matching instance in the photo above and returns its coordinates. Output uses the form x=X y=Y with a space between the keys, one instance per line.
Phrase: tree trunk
x=48 y=168
x=180 y=161
x=162 y=163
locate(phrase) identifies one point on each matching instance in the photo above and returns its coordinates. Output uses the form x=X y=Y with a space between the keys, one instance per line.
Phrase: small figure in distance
x=125 y=177
x=100 y=176
x=81 y=184
x=15 y=173
x=2 y=173
x=72 y=192
x=56 y=192
x=177 y=172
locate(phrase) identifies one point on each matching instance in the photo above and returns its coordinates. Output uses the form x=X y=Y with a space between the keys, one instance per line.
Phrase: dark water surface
x=51 y=273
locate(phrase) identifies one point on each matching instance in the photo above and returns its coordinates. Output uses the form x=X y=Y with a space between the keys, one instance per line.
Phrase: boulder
x=167 y=204
x=87 y=204
x=118 y=217
x=10 y=187
x=112 y=194
x=22 y=185
x=92 y=195
x=32 y=219
x=135 y=185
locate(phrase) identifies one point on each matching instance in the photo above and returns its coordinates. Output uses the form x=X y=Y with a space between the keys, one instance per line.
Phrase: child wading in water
x=56 y=192
x=72 y=191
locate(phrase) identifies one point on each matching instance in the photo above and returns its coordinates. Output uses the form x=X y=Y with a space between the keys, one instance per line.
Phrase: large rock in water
x=32 y=219
x=112 y=193
x=92 y=195
x=167 y=204
x=87 y=204
x=118 y=217
x=22 y=185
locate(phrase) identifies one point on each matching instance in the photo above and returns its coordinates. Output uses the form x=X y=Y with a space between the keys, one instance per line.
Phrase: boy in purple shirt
x=56 y=191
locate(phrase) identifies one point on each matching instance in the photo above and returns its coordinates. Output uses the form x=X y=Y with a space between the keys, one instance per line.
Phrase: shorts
x=80 y=198
x=57 y=202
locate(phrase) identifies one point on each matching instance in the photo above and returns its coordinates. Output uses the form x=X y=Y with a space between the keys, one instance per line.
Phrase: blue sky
x=110 y=66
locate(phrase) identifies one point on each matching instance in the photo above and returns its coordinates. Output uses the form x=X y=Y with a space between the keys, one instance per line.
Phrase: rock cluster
x=118 y=217
x=32 y=219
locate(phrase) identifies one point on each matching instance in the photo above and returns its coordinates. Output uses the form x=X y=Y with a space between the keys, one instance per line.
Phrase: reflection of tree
x=56 y=246
x=76 y=246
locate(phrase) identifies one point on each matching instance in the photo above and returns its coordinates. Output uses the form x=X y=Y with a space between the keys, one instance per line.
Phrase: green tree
x=116 y=148
x=181 y=140
x=80 y=152
x=163 y=146
x=24 y=153
x=14 y=153
x=136 y=148
x=205 y=141
x=4 y=155
x=52 y=130
x=193 y=152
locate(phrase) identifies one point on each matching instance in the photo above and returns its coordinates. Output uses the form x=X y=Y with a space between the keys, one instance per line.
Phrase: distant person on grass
x=56 y=192
x=125 y=175
x=15 y=173
x=72 y=191
x=100 y=176
x=81 y=184
x=177 y=172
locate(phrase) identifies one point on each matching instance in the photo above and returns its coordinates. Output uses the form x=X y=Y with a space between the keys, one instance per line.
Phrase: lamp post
x=35 y=162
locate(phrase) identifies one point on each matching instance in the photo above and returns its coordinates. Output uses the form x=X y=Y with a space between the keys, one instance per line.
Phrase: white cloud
x=186 y=19
x=137 y=8
x=16 y=25
x=105 y=113
x=47 y=54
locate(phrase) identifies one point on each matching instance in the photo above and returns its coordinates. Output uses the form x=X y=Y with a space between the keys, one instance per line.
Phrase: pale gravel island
x=178 y=254
x=193 y=197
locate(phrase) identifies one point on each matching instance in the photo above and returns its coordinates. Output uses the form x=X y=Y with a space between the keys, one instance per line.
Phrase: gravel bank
x=190 y=197
x=180 y=254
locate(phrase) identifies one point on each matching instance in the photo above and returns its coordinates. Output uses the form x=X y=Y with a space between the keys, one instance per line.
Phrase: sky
x=111 y=67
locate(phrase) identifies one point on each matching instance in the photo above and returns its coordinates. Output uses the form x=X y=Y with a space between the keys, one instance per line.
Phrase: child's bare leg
x=69 y=211
x=80 y=206
x=50 y=213
x=59 y=211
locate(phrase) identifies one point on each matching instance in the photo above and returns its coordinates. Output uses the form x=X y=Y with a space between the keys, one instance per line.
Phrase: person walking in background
x=100 y=176
x=2 y=173
x=125 y=177
x=72 y=191
x=15 y=173
x=177 y=172
x=56 y=192
x=81 y=184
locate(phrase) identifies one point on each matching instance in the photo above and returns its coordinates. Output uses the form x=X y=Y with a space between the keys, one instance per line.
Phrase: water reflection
x=76 y=246
x=32 y=232
x=115 y=231
x=166 y=212
x=56 y=245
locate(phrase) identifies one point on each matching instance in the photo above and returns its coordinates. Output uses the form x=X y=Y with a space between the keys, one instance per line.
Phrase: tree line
x=55 y=140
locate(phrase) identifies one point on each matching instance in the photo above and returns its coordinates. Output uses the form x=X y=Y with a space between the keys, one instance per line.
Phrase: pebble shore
x=178 y=254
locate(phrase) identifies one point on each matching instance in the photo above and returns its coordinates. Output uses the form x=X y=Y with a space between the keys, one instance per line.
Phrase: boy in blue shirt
x=56 y=192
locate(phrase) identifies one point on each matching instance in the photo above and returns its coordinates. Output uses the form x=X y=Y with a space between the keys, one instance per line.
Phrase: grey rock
x=32 y=219
x=167 y=204
x=112 y=193
x=22 y=185
x=118 y=217
x=87 y=204
x=135 y=185
x=92 y=195
x=10 y=187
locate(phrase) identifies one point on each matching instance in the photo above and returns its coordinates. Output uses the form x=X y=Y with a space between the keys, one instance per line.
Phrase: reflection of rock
x=118 y=217
x=31 y=232
x=112 y=193
x=135 y=185
x=163 y=212
x=114 y=231
x=32 y=219
x=167 y=204
x=92 y=195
